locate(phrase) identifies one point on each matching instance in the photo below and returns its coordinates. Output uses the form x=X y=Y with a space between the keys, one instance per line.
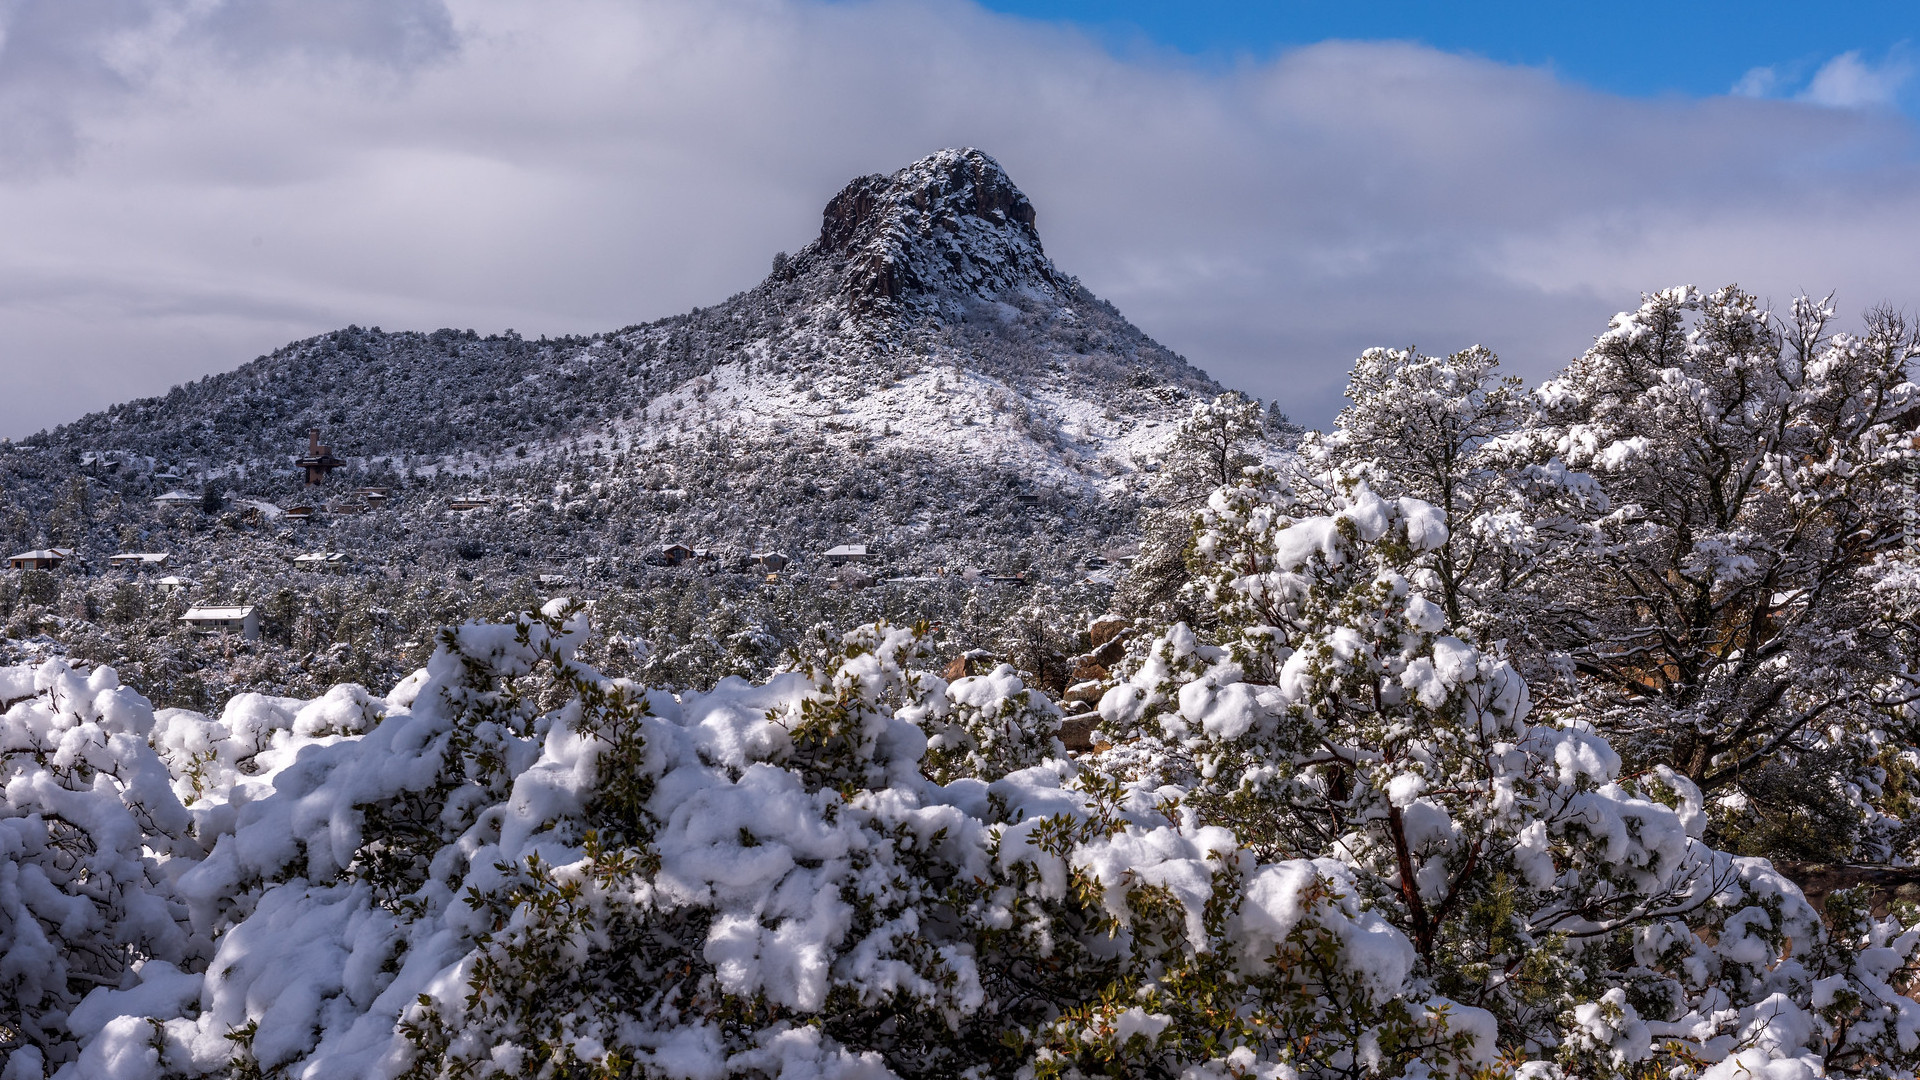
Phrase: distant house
x=171 y=584
x=848 y=553
x=138 y=560
x=243 y=620
x=330 y=561
x=299 y=513
x=1028 y=498
x=44 y=559
x=771 y=561
x=176 y=497
x=675 y=555
x=469 y=503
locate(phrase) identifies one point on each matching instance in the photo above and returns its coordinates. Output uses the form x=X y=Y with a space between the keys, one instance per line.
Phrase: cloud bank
x=187 y=184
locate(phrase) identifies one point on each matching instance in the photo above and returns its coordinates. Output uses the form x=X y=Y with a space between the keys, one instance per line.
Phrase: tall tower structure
x=319 y=460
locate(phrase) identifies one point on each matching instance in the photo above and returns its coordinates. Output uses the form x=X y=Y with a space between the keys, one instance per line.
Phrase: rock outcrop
x=951 y=225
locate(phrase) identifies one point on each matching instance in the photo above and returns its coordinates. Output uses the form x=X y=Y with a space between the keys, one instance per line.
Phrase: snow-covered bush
x=92 y=838
x=994 y=725
x=1373 y=864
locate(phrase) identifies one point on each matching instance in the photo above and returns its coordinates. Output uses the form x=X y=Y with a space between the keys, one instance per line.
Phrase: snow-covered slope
x=925 y=323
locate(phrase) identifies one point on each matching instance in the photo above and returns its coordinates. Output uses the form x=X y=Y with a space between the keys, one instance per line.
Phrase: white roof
x=46 y=553
x=176 y=495
x=321 y=556
x=139 y=556
x=217 y=614
x=848 y=549
x=171 y=581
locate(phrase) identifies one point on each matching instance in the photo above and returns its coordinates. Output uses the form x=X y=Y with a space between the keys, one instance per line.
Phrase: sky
x=1267 y=188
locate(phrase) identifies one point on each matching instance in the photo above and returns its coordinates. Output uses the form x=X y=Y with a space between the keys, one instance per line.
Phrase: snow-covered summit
x=952 y=223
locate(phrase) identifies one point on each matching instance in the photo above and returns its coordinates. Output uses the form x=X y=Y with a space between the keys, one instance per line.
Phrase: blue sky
x=1631 y=48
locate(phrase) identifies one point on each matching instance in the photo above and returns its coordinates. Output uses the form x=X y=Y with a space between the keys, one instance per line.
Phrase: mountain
x=920 y=379
x=926 y=304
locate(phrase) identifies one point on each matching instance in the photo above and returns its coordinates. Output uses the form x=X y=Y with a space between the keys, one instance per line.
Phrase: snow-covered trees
x=1215 y=443
x=1693 y=538
x=1570 y=907
x=1338 y=844
x=1441 y=429
x=1723 y=614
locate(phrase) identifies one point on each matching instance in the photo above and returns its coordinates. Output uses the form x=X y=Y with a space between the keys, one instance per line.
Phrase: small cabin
x=771 y=561
x=171 y=584
x=138 y=560
x=333 y=562
x=243 y=620
x=675 y=555
x=848 y=553
x=299 y=513
x=176 y=497
x=43 y=559
x=469 y=503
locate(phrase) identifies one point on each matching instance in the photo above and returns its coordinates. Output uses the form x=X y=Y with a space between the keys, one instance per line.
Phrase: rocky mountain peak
x=951 y=223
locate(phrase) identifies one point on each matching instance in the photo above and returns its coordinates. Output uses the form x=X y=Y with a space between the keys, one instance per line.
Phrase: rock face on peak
x=950 y=224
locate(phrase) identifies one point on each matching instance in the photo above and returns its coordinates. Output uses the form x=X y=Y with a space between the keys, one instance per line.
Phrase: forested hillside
x=920 y=381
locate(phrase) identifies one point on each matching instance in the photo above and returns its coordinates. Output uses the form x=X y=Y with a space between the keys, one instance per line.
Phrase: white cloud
x=584 y=164
x=1757 y=82
x=1849 y=82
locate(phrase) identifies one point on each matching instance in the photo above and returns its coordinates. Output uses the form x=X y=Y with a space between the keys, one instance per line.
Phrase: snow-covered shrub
x=526 y=868
x=92 y=838
x=1376 y=864
x=992 y=725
